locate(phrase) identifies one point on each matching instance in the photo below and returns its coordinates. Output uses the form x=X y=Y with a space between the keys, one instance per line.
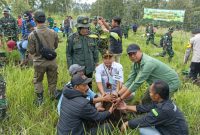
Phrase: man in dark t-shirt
x=115 y=36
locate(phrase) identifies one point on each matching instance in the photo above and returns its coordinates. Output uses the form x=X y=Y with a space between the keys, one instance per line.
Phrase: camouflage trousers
x=50 y=68
x=150 y=39
x=3 y=102
x=167 y=50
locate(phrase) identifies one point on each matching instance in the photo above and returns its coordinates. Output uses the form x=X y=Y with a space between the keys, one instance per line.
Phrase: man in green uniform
x=49 y=39
x=50 y=22
x=166 y=43
x=82 y=48
x=150 y=34
x=146 y=69
x=125 y=29
x=103 y=38
x=8 y=26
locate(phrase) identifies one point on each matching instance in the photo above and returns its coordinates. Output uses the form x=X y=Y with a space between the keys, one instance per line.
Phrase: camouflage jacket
x=8 y=27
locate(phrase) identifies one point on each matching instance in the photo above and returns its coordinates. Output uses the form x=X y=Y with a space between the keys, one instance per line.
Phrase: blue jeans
x=149 y=131
x=22 y=46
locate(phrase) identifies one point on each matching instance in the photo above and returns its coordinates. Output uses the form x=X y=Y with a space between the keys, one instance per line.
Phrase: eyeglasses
x=132 y=53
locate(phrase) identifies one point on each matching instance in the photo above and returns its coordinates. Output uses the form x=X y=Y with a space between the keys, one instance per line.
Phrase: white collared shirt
x=112 y=75
x=195 y=42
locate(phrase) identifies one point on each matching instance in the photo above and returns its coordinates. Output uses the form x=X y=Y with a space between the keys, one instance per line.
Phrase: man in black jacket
x=163 y=116
x=76 y=109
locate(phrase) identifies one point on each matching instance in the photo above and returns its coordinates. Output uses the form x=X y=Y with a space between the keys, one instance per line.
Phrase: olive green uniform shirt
x=82 y=50
x=149 y=70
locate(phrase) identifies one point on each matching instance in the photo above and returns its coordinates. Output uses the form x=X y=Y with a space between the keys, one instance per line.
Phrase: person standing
x=50 y=22
x=8 y=26
x=49 y=39
x=19 y=23
x=166 y=43
x=115 y=36
x=195 y=63
x=82 y=49
x=150 y=34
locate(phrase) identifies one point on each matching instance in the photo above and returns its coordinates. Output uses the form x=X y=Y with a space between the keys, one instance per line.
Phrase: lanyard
x=107 y=72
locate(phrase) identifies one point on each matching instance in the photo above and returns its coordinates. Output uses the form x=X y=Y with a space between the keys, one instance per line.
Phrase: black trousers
x=194 y=70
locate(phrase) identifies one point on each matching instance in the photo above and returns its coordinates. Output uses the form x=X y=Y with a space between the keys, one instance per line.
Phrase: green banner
x=164 y=15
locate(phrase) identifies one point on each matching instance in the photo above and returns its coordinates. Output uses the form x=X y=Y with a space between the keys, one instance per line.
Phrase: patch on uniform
x=154 y=112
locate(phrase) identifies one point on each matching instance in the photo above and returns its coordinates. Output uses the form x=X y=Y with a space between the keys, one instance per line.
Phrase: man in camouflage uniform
x=82 y=48
x=8 y=26
x=49 y=39
x=166 y=43
x=150 y=34
x=102 y=37
x=3 y=103
x=125 y=29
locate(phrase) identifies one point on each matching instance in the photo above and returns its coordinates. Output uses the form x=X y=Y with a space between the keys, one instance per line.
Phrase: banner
x=164 y=15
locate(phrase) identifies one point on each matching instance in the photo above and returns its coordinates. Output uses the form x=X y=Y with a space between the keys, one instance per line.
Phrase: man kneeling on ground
x=76 y=109
x=163 y=116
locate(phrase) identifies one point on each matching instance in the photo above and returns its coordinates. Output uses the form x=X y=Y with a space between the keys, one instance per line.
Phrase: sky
x=87 y=1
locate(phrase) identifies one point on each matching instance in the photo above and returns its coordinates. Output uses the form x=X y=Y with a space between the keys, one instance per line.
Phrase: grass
x=26 y=119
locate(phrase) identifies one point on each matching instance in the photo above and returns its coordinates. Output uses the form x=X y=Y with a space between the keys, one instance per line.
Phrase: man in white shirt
x=109 y=75
x=195 y=62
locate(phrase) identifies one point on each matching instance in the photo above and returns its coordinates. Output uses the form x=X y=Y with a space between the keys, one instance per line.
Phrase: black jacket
x=165 y=116
x=75 y=109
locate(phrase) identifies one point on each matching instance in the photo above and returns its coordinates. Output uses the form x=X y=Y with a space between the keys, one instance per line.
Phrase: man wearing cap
x=27 y=27
x=82 y=48
x=90 y=95
x=49 y=39
x=8 y=25
x=166 y=43
x=194 y=46
x=109 y=75
x=76 y=110
x=146 y=68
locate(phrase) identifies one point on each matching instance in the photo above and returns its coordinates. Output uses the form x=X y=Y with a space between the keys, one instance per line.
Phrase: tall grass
x=26 y=119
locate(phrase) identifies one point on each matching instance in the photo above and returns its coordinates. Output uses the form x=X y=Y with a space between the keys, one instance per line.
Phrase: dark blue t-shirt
x=116 y=45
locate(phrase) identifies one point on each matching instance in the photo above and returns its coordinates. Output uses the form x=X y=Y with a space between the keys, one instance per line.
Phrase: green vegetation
x=26 y=119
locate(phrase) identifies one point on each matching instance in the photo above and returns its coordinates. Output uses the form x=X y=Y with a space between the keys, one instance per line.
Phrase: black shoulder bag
x=47 y=53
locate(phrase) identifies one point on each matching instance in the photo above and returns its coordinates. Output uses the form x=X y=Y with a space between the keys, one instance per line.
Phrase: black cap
x=133 y=48
x=80 y=79
x=39 y=16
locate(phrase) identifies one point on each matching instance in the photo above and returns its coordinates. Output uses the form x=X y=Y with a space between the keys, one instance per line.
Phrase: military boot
x=39 y=99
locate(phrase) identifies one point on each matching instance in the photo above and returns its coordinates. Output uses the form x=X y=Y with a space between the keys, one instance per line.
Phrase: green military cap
x=6 y=10
x=83 y=21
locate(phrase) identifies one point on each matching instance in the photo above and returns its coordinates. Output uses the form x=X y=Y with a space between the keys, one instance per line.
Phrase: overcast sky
x=87 y=1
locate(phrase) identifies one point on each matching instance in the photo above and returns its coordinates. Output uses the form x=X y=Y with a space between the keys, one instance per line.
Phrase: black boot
x=39 y=100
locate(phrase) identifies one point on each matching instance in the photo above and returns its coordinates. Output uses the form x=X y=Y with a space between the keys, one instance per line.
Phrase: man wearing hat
x=8 y=26
x=146 y=69
x=166 y=43
x=194 y=46
x=48 y=39
x=90 y=95
x=76 y=110
x=82 y=48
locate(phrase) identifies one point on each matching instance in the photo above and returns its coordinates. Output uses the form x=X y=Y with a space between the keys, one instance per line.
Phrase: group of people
x=165 y=41
x=79 y=104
